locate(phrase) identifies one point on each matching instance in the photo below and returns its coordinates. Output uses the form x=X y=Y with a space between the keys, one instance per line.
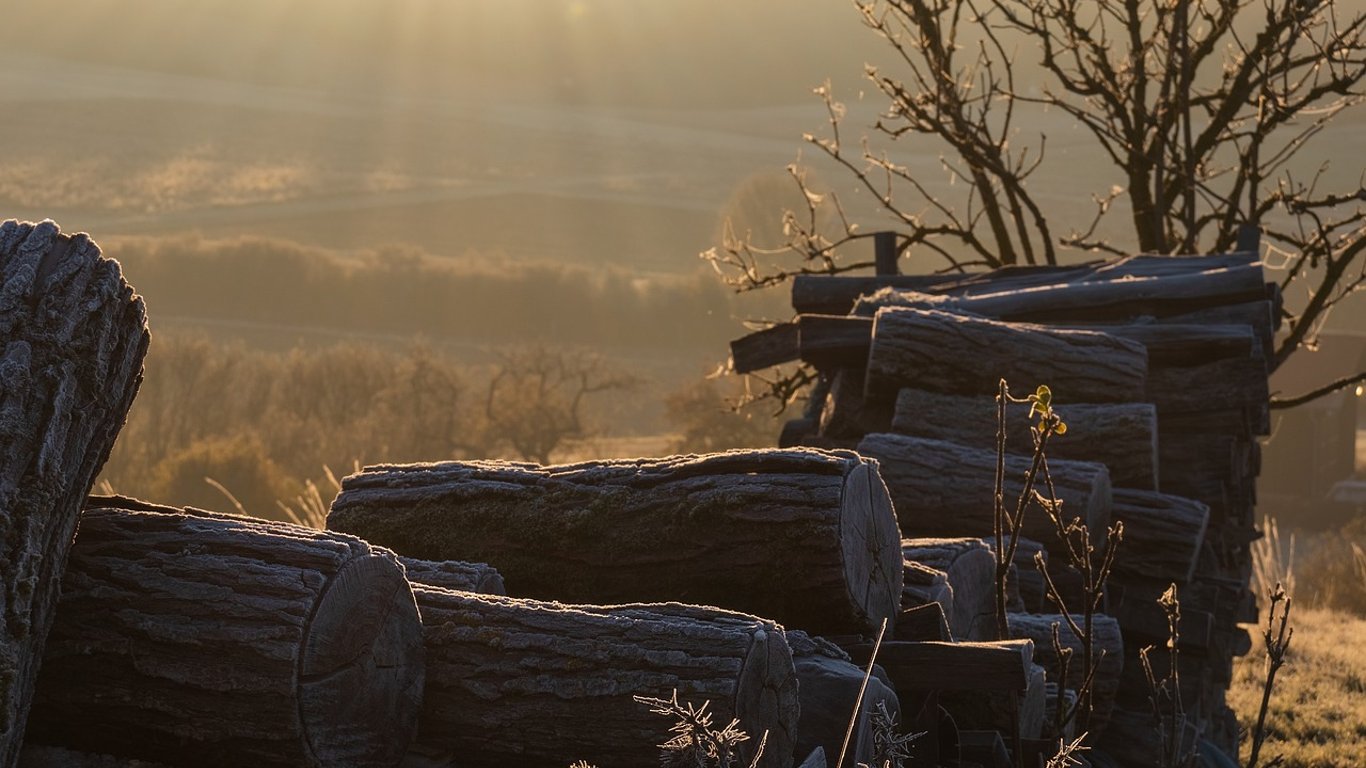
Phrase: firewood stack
x=1157 y=364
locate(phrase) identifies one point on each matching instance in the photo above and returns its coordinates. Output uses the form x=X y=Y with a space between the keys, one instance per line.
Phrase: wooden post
x=885 y=254
x=72 y=339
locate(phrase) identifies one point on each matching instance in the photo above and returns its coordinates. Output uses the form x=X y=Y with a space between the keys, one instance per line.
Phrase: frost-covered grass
x=1317 y=717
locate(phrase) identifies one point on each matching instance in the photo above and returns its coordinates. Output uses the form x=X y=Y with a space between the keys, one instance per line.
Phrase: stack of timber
x=72 y=340
x=1158 y=365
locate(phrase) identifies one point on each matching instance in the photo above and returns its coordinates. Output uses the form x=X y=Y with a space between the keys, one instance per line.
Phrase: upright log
x=945 y=489
x=200 y=639
x=72 y=339
x=805 y=537
x=1122 y=436
x=527 y=683
x=967 y=355
x=968 y=569
x=829 y=690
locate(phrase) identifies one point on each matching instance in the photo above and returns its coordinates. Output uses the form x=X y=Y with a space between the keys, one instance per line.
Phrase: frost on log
x=805 y=537
x=528 y=683
x=72 y=339
x=216 y=640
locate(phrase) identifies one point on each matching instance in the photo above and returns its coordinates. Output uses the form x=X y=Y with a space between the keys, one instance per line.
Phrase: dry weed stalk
x=696 y=743
x=1169 y=716
x=1277 y=645
x=1273 y=563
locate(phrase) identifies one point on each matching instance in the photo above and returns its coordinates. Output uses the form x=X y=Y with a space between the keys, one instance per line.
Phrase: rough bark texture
x=1206 y=282
x=966 y=355
x=807 y=538
x=200 y=639
x=1122 y=436
x=1162 y=534
x=968 y=569
x=454 y=574
x=1108 y=650
x=828 y=689
x=992 y=666
x=72 y=339
x=945 y=489
x=528 y=683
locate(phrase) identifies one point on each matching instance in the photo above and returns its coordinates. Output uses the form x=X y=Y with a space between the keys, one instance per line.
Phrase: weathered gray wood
x=815 y=760
x=1107 y=647
x=766 y=348
x=72 y=340
x=923 y=586
x=922 y=622
x=521 y=682
x=1162 y=534
x=968 y=567
x=831 y=342
x=1122 y=436
x=828 y=689
x=989 y=666
x=1207 y=275
x=805 y=537
x=945 y=489
x=967 y=355
x=454 y=574
x=201 y=639
x=847 y=414
x=1000 y=710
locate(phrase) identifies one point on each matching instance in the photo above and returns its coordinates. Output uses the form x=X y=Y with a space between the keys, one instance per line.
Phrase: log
x=1206 y=283
x=830 y=342
x=1000 y=710
x=454 y=574
x=909 y=345
x=940 y=488
x=724 y=529
x=1162 y=534
x=968 y=567
x=924 y=586
x=1122 y=436
x=772 y=346
x=1025 y=578
x=828 y=688
x=922 y=622
x=216 y=640
x=1133 y=739
x=847 y=414
x=990 y=666
x=1108 y=647
x=522 y=682
x=1133 y=603
x=72 y=340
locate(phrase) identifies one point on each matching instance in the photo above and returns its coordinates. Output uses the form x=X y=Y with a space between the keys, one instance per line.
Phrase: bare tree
x=1200 y=105
x=537 y=395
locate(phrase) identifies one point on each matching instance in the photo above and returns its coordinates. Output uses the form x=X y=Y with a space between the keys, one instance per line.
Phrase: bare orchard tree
x=537 y=396
x=1200 y=105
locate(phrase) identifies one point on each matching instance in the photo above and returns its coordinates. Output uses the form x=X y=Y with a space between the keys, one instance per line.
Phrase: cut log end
x=872 y=547
x=766 y=694
x=361 y=667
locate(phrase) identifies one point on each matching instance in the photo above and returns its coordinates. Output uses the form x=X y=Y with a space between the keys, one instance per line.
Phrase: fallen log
x=922 y=622
x=829 y=687
x=1107 y=646
x=968 y=567
x=940 y=488
x=201 y=639
x=1000 y=710
x=72 y=340
x=723 y=529
x=528 y=683
x=987 y=666
x=1162 y=534
x=771 y=346
x=847 y=414
x=454 y=574
x=1122 y=436
x=909 y=345
x=1034 y=289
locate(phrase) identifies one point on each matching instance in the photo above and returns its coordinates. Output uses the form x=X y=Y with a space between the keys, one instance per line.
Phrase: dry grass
x=1317 y=717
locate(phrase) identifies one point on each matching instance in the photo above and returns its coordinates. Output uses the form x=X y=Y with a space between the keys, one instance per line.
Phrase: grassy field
x=1317 y=717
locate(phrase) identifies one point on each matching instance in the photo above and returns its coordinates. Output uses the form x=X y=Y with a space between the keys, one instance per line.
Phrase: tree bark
x=454 y=574
x=201 y=639
x=1107 y=647
x=992 y=666
x=72 y=339
x=968 y=567
x=965 y=355
x=944 y=489
x=1162 y=534
x=1122 y=436
x=528 y=683
x=847 y=415
x=829 y=685
x=1105 y=290
x=807 y=538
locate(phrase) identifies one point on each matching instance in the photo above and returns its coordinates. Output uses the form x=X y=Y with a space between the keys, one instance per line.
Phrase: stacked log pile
x=1158 y=366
